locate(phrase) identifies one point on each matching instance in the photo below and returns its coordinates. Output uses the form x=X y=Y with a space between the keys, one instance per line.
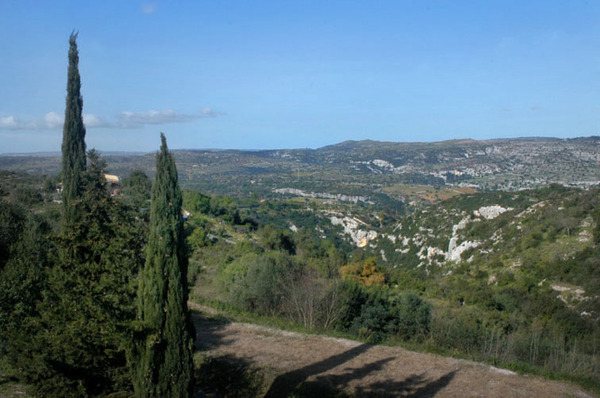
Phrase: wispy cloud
x=50 y=121
x=92 y=121
x=53 y=120
x=9 y=123
x=124 y=120
x=535 y=107
x=12 y=122
x=130 y=119
x=208 y=112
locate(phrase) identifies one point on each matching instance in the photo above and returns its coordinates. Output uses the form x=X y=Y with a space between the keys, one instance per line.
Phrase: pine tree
x=162 y=358
x=73 y=145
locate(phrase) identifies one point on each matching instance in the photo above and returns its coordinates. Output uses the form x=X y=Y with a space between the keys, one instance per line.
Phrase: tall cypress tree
x=89 y=303
x=89 y=299
x=73 y=145
x=162 y=361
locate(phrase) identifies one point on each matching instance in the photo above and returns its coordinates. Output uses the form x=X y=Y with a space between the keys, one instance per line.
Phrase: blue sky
x=295 y=74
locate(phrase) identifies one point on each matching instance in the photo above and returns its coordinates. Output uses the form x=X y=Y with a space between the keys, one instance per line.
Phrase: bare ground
x=310 y=365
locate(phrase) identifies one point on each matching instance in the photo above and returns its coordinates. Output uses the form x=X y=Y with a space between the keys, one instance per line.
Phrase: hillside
x=509 y=277
x=368 y=171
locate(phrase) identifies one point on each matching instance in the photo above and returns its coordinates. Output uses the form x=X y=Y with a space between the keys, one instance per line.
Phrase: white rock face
x=383 y=164
x=491 y=212
x=322 y=195
x=360 y=237
x=383 y=257
x=428 y=252
x=455 y=251
x=454 y=238
x=455 y=254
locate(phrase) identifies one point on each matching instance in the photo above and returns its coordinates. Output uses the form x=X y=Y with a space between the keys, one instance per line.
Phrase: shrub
x=376 y=315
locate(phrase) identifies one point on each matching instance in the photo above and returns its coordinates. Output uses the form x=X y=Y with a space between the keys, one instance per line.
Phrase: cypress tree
x=73 y=145
x=88 y=301
x=162 y=358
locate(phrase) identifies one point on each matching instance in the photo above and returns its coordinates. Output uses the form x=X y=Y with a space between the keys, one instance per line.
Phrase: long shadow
x=334 y=385
x=294 y=383
x=208 y=331
x=228 y=376
x=285 y=384
x=414 y=386
x=243 y=375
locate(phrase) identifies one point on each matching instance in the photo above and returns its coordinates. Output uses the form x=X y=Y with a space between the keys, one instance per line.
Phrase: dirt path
x=318 y=365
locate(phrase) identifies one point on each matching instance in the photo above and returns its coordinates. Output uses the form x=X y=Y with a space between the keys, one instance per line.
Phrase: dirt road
x=310 y=365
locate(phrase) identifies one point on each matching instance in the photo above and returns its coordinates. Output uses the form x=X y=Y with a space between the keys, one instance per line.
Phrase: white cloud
x=124 y=120
x=166 y=116
x=50 y=121
x=92 y=121
x=9 y=123
x=209 y=112
x=53 y=120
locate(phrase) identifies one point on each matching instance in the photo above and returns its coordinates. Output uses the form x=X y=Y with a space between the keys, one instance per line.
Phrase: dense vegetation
x=68 y=292
x=285 y=259
x=526 y=299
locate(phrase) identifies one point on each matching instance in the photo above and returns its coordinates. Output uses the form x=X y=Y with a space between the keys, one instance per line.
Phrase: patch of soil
x=298 y=364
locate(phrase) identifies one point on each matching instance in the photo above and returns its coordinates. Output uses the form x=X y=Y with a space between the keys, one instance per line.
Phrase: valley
x=407 y=252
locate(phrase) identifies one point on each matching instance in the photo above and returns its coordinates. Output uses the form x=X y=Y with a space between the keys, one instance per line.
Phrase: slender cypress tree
x=73 y=145
x=88 y=302
x=162 y=362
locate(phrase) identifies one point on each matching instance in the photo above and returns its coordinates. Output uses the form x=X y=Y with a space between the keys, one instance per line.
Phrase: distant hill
x=370 y=169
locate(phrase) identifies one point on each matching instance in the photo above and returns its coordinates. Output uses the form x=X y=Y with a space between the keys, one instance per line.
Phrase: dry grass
x=297 y=364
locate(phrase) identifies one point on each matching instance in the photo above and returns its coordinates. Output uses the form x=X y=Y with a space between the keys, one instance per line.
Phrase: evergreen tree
x=23 y=283
x=73 y=145
x=136 y=190
x=162 y=357
x=66 y=303
x=90 y=301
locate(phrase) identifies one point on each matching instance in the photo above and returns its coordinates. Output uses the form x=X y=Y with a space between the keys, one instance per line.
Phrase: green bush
x=411 y=317
x=377 y=315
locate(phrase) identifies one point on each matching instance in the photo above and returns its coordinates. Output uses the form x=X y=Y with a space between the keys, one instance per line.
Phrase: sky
x=272 y=74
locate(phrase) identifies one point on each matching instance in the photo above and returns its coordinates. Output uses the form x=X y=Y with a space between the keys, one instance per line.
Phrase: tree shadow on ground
x=285 y=384
x=208 y=331
x=295 y=383
x=228 y=376
x=413 y=386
